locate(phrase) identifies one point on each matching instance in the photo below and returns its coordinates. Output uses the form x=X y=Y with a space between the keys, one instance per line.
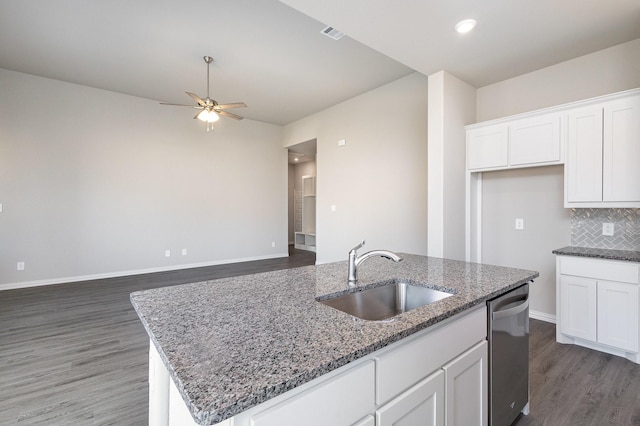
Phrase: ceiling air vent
x=332 y=33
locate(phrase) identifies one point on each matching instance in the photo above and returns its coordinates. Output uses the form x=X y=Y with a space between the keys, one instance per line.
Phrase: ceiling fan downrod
x=208 y=60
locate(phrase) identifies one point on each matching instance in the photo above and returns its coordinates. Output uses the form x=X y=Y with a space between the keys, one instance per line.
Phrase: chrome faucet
x=355 y=260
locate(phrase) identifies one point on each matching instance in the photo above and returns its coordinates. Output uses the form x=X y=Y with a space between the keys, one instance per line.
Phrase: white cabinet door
x=621 y=150
x=618 y=315
x=578 y=307
x=535 y=140
x=487 y=147
x=422 y=404
x=583 y=168
x=466 y=388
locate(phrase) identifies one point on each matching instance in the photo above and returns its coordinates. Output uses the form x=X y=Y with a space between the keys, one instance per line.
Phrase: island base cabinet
x=465 y=382
x=423 y=405
x=343 y=400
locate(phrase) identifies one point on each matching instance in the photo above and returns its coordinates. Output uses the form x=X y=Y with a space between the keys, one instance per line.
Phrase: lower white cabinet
x=598 y=304
x=465 y=382
x=423 y=404
x=578 y=313
x=618 y=315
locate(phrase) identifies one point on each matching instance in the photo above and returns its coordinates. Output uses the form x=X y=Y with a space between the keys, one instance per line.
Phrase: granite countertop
x=233 y=343
x=623 y=255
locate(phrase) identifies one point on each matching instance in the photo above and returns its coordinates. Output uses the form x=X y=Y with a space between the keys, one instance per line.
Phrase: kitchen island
x=237 y=345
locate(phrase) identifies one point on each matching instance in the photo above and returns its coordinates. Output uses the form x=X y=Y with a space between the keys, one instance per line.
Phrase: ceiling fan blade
x=233 y=105
x=230 y=115
x=196 y=116
x=190 y=106
x=196 y=98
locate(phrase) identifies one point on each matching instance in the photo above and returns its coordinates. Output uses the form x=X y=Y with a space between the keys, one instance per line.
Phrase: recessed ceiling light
x=465 y=26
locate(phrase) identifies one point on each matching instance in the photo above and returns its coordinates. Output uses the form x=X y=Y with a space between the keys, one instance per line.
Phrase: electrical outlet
x=167 y=253
x=608 y=229
x=20 y=266
x=342 y=142
x=184 y=252
x=519 y=224
x=273 y=243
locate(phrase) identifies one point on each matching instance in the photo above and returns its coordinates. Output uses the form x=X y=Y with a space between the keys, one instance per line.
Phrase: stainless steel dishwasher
x=508 y=356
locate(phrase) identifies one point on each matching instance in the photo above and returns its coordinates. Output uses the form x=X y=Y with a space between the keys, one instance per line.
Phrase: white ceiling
x=274 y=58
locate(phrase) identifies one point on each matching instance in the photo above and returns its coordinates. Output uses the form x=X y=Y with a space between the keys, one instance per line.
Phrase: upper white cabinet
x=488 y=147
x=523 y=142
x=603 y=152
x=535 y=140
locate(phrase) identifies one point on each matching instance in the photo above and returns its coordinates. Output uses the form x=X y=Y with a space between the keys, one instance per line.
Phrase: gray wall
x=95 y=183
x=536 y=194
x=378 y=181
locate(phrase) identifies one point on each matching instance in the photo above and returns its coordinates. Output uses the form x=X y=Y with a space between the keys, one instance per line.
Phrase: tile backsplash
x=586 y=228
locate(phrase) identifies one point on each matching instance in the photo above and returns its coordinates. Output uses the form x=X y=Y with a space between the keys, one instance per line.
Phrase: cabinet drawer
x=412 y=361
x=487 y=147
x=342 y=400
x=535 y=140
x=625 y=272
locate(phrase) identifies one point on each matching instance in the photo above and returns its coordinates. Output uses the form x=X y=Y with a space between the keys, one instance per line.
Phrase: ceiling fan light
x=208 y=116
x=203 y=115
x=465 y=26
x=213 y=117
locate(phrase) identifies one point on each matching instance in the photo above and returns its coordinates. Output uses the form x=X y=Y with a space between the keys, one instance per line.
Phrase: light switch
x=519 y=224
x=0 y=207
x=342 y=142
x=333 y=207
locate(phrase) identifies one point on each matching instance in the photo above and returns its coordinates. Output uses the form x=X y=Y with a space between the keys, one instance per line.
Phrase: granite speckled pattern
x=233 y=343
x=599 y=253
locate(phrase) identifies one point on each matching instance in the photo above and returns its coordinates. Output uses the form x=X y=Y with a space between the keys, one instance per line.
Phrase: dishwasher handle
x=497 y=315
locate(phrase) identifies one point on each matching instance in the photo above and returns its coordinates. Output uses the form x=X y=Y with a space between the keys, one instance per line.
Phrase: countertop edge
x=598 y=253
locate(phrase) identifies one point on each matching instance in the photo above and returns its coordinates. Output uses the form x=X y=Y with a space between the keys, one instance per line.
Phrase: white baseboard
x=542 y=316
x=52 y=281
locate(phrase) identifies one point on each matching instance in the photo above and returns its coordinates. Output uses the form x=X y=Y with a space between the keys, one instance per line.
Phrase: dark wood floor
x=576 y=386
x=76 y=354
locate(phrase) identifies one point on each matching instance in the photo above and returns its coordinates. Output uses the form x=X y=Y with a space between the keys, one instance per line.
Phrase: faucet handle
x=359 y=246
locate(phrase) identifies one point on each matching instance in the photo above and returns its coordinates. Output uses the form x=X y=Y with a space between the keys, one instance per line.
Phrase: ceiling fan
x=210 y=110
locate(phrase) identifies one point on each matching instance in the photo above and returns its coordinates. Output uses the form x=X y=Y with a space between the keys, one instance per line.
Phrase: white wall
x=535 y=194
x=452 y=104
x=95 y=183
x=607 y=71
x=378 y=181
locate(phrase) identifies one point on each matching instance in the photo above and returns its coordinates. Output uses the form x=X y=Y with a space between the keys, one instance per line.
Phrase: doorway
x=302 y=172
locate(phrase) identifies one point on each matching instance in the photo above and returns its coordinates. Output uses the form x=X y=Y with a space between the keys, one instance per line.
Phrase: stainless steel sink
x=385 y=301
